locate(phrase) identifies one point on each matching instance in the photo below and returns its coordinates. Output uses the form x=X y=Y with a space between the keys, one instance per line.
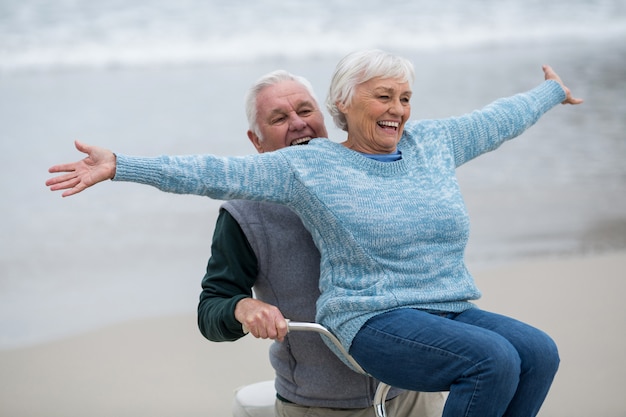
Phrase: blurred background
x=153 y=77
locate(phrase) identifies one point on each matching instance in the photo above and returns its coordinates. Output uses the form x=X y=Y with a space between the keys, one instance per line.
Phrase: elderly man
x=265 y=246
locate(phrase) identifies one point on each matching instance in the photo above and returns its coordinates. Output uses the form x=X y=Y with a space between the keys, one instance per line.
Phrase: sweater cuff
x=551 y=93
x=137 y=169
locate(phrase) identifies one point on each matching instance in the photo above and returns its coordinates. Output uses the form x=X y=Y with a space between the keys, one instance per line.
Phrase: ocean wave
x=81 y=34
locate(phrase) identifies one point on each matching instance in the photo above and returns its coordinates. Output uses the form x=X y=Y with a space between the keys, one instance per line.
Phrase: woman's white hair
x=360 y=67
x=265 y=81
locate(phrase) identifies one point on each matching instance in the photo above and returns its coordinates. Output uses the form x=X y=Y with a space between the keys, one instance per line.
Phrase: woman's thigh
x=420 y=351
x=531 y=343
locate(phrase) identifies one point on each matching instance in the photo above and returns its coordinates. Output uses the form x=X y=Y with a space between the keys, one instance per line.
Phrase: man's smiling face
x=286 y=115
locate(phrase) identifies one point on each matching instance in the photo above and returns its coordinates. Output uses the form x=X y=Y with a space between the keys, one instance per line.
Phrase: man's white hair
x=265 y=81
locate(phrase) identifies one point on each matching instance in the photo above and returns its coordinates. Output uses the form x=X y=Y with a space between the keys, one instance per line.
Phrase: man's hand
x=262 y=320
x=99 y=165
x=551 y=75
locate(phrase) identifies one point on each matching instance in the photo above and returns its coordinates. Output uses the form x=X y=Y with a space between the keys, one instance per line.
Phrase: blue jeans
x=492 y=365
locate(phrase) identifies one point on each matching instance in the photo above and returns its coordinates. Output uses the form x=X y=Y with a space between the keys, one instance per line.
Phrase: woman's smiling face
x=376 y=116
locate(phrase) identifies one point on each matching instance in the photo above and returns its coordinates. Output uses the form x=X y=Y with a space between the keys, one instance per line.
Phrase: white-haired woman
x=385 y=210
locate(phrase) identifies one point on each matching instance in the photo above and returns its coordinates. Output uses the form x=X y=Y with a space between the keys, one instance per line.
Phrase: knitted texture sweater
x=391 y=235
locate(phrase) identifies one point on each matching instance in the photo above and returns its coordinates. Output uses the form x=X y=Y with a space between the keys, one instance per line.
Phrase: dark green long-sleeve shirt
x=231 y=272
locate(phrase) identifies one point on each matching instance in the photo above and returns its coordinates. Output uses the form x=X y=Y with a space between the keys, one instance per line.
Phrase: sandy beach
x=163 y=366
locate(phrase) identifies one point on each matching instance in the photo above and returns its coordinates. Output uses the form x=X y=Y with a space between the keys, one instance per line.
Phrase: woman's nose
x=396 y=107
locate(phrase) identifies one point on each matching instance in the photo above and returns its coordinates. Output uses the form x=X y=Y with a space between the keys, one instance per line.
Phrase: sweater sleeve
x=231 y=272
x=263 y=176
x=485 y=130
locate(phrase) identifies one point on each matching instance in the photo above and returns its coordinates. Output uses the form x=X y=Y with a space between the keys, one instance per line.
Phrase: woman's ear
x=341 y=106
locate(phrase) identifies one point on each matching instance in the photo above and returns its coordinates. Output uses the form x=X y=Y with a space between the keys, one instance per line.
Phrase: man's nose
x=296 y=123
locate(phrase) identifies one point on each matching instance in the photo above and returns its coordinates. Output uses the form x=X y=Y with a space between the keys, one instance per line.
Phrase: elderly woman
x=385 y=210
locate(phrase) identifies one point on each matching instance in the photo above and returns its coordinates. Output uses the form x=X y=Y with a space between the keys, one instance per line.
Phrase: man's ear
x=256 y=141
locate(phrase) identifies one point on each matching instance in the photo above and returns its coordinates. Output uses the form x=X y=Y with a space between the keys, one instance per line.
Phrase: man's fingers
x=281 y=326
x=275 y=330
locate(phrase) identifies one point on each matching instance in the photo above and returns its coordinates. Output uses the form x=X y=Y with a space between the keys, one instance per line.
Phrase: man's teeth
x=395 y=125
x=301 y=141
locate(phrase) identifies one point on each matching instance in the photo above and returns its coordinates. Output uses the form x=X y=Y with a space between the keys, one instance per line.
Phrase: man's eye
x=277 y=120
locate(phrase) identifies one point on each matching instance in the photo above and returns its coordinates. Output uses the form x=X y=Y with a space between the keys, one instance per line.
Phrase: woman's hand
x=99 y=165
x=551 y=75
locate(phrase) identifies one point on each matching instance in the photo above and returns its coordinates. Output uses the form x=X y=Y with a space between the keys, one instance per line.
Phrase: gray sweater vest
x=307 y=372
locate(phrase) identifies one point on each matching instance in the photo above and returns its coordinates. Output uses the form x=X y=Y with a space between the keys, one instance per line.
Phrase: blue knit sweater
x=391 y=234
